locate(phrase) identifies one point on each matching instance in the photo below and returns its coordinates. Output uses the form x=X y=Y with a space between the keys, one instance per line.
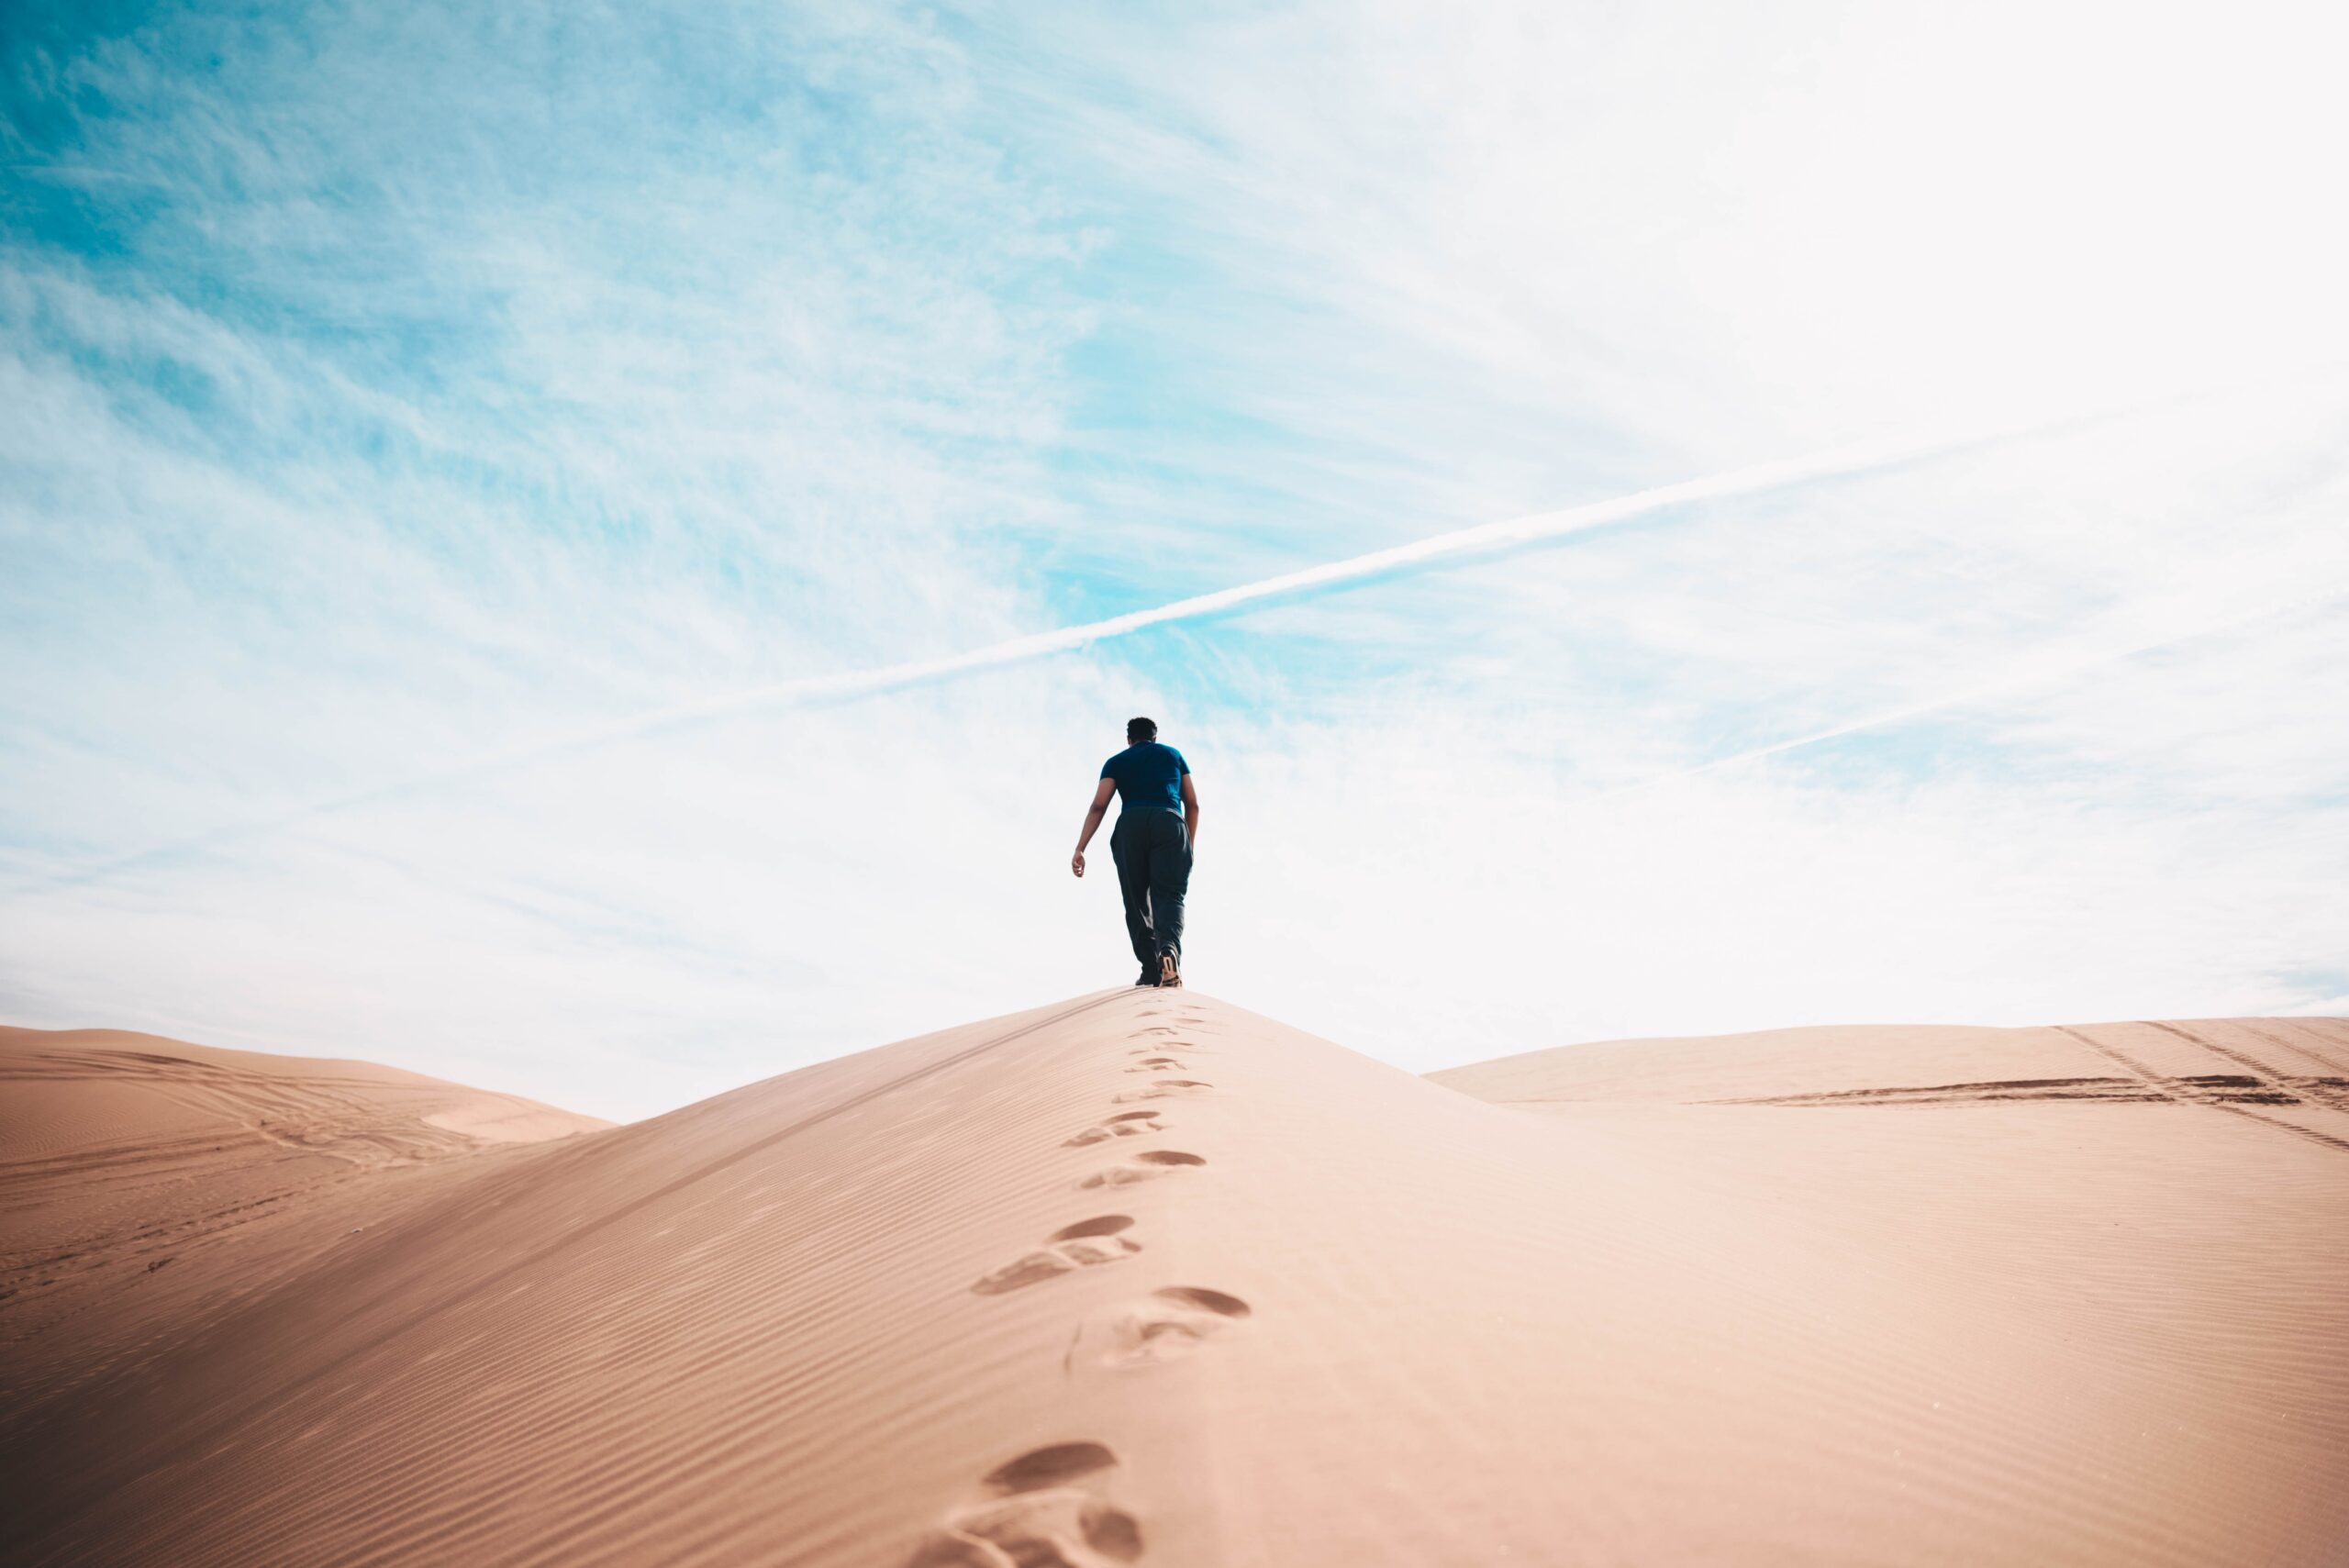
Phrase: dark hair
x=1140 y=730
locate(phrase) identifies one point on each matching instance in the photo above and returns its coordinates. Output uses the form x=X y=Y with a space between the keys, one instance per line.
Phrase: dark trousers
x=1152 y=849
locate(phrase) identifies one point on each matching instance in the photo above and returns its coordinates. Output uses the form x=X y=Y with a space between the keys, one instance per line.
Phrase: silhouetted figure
x=1158 y=823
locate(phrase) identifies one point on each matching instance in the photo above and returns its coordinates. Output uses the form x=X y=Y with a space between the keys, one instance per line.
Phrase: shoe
x=1149 y=976
x=1170 y=968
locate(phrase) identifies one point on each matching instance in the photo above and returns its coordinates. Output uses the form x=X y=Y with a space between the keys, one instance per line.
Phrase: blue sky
x=393 y=388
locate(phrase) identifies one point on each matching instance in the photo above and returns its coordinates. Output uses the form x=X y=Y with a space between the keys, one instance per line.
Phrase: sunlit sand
x=1143 y=1277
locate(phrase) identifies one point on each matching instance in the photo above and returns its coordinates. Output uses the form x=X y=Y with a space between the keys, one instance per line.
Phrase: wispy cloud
x=1480 y=539
x=2074 y=657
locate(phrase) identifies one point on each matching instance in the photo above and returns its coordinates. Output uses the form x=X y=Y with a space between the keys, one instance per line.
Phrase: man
x=1151 y=844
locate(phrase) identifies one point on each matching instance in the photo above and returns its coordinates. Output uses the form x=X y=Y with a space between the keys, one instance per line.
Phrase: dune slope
x=1144 y=1278
x=126 y=1157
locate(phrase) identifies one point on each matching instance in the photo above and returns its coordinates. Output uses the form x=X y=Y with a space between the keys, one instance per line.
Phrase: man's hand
x=1093 y=815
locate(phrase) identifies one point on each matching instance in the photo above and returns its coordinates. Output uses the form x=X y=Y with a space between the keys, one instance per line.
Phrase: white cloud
x=1743 y=230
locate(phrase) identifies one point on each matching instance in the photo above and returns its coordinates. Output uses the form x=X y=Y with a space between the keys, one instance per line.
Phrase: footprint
x=1096 y=1240
x=1150 y=1163
x=1059 y=1465
x=1165 y=1088
x=1156 y=1064
x=1087 y=1243
x=952 y=1549
x=1036 y=1530
x=1042 y=1516
x=1126 y=1123
x=1172 y=1322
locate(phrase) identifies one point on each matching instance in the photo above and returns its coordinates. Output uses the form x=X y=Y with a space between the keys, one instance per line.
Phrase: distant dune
x=101 y=1095
x=1142 y=1277
x=124 y=1155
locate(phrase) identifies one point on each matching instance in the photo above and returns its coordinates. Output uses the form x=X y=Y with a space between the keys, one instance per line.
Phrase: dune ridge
x=1142 y=1277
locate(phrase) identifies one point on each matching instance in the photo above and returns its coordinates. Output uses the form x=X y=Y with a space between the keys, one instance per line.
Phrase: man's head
x=1140 y=730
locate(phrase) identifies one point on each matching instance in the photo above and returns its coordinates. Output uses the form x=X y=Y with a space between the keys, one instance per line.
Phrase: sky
x=597 y=550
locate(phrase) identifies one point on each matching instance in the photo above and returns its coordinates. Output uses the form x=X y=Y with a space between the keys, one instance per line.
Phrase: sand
x=123 y=1156
x=1144 y=1277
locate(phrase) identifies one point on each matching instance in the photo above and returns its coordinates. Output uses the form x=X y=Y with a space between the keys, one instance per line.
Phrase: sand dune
x=1144 y=1278
x=124 y=1155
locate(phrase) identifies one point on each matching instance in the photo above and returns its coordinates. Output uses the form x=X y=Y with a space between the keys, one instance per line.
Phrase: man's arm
x=1092 y=816
x=1190 y=811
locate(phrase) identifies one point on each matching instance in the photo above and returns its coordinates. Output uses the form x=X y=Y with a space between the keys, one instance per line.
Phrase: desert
x=1144 y=1277
x=1288 y=784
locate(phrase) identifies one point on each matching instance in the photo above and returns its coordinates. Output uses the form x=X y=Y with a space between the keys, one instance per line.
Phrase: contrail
x=2028 y=672
x=1482 y=539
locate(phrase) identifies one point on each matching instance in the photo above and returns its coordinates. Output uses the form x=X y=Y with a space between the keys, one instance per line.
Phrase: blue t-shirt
x=1150 y=776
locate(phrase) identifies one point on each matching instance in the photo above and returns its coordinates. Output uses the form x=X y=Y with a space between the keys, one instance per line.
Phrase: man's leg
x=1130 y=851
x=1170 y=879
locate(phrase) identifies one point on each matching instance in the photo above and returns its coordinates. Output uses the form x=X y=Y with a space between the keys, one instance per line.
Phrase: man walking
x=1151 y=844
